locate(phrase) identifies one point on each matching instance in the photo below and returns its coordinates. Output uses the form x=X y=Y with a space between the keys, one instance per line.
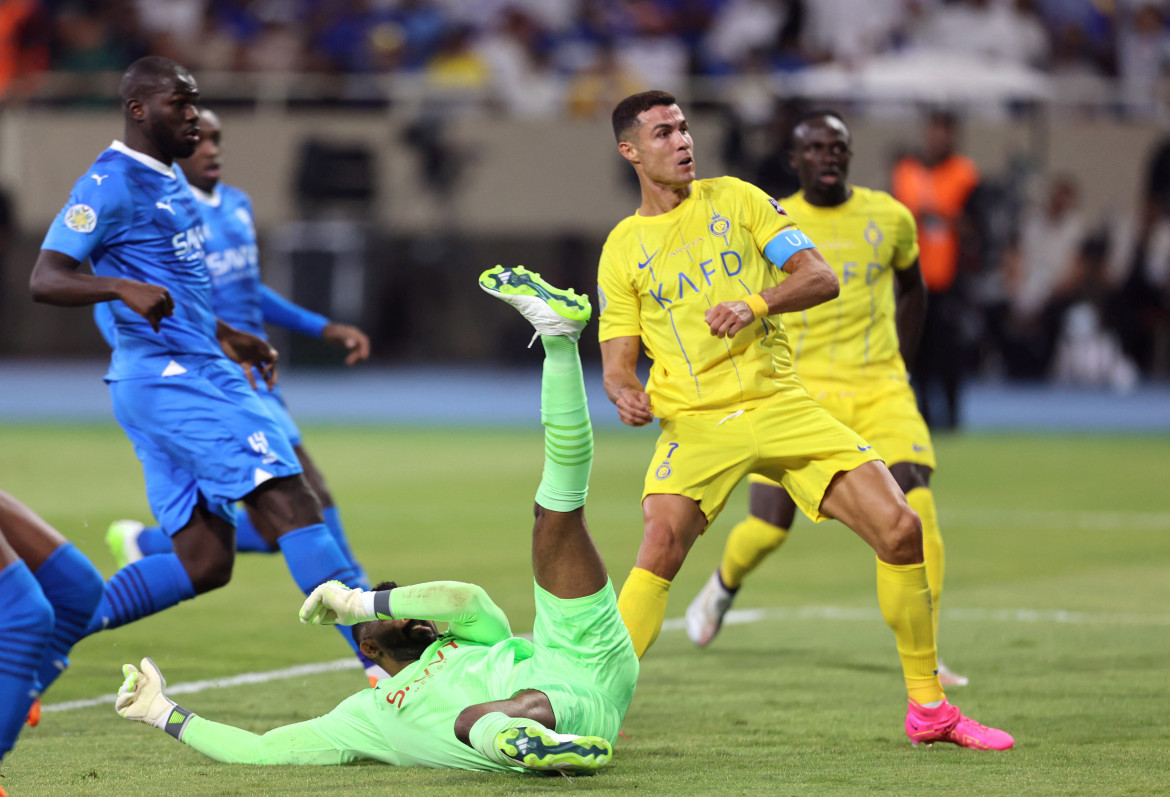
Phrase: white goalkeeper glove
x=333 y=603
x=141 y=697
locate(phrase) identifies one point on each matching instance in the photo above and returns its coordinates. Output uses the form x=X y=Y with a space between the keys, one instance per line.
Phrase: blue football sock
x=74 y=587
x=333 y=521
x=26 y=624
x=141 y=588
x=248 y=539
x=314 y=558
x=153 y=540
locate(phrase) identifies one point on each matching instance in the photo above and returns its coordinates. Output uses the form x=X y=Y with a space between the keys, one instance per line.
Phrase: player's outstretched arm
x=287 y=314
x=141 y=698
x=56 y=279
x=619 y=359
x=466 y=607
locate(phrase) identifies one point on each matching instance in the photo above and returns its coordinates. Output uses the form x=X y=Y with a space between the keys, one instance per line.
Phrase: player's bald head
x=151 y=75
x=822 y=118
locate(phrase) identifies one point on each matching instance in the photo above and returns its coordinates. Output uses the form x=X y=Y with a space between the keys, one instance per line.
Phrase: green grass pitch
x=1057 y=606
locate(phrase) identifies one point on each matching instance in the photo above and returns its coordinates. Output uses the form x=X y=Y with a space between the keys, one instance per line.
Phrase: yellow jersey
x=658 y=275
x=855 y=336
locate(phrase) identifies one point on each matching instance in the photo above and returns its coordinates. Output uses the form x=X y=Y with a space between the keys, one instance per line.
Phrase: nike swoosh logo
x=864 y=448
x=917 y=447
x=646 y=262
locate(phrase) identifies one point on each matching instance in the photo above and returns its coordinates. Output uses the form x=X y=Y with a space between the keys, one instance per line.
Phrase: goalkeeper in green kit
x=475 y=697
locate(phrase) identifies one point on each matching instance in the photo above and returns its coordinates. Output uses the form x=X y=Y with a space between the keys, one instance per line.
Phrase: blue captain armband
x=785 y=245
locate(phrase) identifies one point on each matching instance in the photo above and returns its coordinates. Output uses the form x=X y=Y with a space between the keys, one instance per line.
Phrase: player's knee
x=209 y=572
x=664 y=548
x=901 y=543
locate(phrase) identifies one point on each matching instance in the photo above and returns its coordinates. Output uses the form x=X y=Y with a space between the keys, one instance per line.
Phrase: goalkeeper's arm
x=467 y=608
x=141 y=698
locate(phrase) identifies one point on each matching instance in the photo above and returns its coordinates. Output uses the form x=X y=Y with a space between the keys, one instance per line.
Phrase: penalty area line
x=734 y=617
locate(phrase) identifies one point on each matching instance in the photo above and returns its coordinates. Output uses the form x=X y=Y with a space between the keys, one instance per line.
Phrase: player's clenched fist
x=726 y=319
x=333 y=603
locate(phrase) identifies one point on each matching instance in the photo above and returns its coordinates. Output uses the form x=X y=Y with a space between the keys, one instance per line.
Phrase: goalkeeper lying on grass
x=475 y=697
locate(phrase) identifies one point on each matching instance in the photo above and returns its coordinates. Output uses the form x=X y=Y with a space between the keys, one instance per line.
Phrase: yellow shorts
x=790 y=438
x=883 y=412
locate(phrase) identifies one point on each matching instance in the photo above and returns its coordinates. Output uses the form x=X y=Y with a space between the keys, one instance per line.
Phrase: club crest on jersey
x=720 y=225
x=776 y=205
x=246 y=219
x=81 y=218
x=873 y=234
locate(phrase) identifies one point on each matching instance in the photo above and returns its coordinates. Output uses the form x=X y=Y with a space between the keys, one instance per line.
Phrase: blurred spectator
x=1138 y=269
x=596 y=88
x=938 y=187
x=741 y=27
x=851 y=30
x=1009 y=30
x=1042 y=274
x=25 y=32
x=1143 y=53
x=523 y=80
x=167 y=27
x=97 y=37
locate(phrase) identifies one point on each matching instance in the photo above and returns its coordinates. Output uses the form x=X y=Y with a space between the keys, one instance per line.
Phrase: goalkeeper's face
x=400 y=640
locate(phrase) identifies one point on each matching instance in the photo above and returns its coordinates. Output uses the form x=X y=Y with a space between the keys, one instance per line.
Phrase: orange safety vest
x=936 y=195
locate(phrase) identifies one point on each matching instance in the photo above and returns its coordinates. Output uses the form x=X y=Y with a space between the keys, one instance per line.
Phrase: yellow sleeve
x=906 y=240
x=620 y=314
x=762 y=214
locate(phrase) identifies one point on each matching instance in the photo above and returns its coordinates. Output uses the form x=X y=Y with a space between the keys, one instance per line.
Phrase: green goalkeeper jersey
x=409 y=719
x=582 y=660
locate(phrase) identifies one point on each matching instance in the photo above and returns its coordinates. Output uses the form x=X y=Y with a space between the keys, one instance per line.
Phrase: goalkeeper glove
x=333 y=603
x=141 y=699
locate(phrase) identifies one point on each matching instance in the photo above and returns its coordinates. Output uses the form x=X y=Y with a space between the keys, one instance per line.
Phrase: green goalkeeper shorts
x=583 y=660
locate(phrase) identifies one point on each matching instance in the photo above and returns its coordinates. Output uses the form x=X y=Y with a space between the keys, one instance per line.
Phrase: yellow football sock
x=748 y=545
x=904 y=597
x=921 y=500
x=642 y=603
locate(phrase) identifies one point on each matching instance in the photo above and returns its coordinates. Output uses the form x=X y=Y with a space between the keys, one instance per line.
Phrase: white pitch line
x=1046 y=519
x=734 y=617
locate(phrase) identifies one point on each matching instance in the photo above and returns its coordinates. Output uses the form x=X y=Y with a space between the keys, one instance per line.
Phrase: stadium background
x=395 y=149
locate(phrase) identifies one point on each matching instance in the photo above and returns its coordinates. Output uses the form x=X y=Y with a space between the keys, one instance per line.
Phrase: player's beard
x=408 y=643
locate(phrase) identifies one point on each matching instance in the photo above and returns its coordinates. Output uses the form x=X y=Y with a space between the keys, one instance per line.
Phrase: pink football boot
x=947 y=724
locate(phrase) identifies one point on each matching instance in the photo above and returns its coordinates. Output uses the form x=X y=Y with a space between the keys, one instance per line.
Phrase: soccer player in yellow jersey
x=699 y=276
x=850 y=354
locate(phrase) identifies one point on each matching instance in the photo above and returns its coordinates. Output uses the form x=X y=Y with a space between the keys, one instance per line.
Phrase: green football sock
x=568 y=435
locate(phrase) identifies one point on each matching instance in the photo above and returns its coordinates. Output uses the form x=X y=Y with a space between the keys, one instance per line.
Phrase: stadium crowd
x=541 y=57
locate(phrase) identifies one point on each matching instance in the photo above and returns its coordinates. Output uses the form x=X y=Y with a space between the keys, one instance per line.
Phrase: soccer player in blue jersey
x=48 y=590
x=242 y=300
x=198 y=426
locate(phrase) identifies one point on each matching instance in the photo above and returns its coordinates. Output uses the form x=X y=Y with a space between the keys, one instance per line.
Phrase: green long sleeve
x=472 y=615
x=299 y=743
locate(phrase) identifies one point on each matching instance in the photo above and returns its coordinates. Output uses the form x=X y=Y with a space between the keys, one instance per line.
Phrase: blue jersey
x=238 y=296
x=134 y=217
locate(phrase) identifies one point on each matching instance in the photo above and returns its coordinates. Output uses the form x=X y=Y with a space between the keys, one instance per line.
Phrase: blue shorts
x=201 y=433
x=273 y=401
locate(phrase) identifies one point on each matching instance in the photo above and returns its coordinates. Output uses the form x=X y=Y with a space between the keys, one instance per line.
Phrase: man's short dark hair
x=625 y=115
x=359 y=630
x=148 y=75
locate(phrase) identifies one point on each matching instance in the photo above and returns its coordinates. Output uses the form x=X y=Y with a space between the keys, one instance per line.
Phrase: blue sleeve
x=281 y=312
x=94 y=215
x=785 y=245
x=103 y=316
